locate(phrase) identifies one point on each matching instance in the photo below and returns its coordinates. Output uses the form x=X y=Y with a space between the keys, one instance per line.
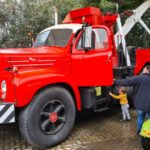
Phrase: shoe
x=128 y=119
x=122 y=120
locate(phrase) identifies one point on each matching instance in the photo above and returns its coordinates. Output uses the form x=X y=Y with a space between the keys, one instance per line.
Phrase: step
x=102 y=109
x=102 y=101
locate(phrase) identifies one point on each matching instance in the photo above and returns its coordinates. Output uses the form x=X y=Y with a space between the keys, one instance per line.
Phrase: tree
x=21 y=20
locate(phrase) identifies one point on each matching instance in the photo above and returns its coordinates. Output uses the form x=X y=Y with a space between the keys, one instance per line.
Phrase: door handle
x=108 y=58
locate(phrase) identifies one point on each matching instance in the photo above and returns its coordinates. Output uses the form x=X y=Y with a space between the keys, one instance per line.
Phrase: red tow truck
x=69 y=68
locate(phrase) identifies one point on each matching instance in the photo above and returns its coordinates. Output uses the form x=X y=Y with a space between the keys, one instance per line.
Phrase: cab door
x=93 y=67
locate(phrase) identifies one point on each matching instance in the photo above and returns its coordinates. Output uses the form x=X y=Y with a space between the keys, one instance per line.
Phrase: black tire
x=145 y=143
x=49 y=118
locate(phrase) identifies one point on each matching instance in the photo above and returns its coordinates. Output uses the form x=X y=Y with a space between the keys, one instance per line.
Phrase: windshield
x=54 y=37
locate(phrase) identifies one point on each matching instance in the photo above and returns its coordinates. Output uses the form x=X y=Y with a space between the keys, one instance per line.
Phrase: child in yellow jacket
x=122 y=97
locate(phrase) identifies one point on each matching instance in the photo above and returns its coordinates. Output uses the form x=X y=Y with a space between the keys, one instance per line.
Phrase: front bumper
x=7 y=113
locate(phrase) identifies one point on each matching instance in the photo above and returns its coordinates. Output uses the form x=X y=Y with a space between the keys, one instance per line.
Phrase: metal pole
x=55 y=14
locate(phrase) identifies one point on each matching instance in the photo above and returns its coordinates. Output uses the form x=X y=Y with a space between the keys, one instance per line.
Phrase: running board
x=103 y=101
x=102 y=109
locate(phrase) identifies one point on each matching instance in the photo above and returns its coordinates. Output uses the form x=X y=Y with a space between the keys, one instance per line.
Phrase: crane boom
x=133 y=19
x=129 y=24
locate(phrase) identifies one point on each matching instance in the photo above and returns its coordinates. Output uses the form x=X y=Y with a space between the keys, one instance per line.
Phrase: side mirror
x=87 y=37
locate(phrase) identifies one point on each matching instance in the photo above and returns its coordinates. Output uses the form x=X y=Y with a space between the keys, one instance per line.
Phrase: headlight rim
x=3 y=86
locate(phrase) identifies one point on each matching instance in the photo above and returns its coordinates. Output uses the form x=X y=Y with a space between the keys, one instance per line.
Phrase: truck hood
x=31 y=57
x=39 y=50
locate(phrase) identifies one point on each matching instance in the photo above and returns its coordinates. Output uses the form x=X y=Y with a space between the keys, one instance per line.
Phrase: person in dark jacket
x=141 y=84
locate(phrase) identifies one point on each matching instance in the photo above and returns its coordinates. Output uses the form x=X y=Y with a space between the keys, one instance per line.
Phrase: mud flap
x=7 y=113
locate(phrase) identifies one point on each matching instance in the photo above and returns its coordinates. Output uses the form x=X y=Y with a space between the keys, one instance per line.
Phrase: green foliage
x=21 y=20
x=138 y=36
x=130 y=4
x=108 y=6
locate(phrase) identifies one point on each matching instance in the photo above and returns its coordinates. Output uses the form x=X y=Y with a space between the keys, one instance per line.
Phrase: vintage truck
x=70 y=67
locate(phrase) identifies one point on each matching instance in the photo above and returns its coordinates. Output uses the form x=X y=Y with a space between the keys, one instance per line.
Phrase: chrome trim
x=33 y=65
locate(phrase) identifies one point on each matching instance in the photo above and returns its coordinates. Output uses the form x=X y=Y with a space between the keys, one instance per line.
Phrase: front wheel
x=49 y=118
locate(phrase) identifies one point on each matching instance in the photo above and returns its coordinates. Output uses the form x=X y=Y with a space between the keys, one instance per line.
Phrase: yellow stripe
x=146 y=132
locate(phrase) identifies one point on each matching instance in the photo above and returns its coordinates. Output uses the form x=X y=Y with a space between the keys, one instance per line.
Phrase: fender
x=142 y=58
x=29 y=82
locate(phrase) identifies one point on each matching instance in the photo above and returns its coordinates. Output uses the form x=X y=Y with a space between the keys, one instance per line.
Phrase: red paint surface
x=36 y=68
x=142 y=58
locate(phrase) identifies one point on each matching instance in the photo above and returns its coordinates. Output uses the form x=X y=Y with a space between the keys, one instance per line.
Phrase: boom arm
x=132 y=20
x=129 y=24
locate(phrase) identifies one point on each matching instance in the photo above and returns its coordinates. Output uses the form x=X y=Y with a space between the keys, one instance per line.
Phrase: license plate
x=98 y=91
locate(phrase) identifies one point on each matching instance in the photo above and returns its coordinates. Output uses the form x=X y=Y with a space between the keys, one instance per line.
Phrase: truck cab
x=90 y=59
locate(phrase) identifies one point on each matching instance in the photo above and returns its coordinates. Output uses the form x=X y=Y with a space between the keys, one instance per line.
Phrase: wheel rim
x=52 y=117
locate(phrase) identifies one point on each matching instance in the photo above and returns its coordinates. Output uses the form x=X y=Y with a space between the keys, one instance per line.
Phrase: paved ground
x=93 y=131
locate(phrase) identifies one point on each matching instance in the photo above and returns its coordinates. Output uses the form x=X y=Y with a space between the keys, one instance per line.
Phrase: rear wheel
x=49 y=118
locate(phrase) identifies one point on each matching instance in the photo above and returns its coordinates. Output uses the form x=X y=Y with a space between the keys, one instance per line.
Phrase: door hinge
x=8 y=69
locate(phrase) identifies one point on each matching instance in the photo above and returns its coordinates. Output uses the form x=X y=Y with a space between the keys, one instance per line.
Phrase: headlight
x=3 y=86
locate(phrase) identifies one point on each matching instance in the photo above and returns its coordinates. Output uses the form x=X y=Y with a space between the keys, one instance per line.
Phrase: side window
x=99 y=39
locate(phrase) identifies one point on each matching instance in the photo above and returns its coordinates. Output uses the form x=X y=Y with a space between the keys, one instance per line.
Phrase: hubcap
x=53 y=117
